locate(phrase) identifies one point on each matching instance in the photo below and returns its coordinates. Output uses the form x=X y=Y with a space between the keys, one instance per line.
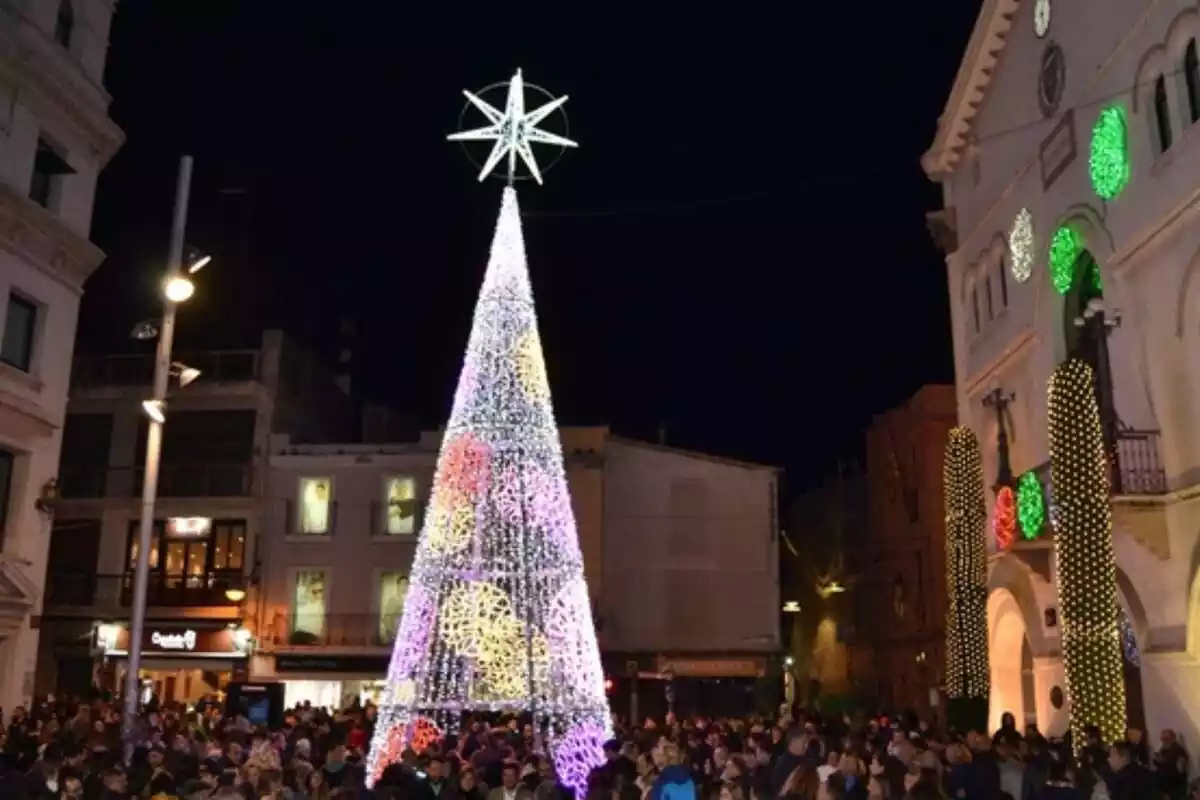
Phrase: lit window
x=308 y=606
x=316 y=503
x=393 y=586
x=20 y=325
x=400 y=495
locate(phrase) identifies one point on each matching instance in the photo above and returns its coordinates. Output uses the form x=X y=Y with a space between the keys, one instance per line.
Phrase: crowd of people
x=73 y=750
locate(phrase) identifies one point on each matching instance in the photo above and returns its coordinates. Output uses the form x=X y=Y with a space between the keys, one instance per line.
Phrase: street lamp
x=177 y=288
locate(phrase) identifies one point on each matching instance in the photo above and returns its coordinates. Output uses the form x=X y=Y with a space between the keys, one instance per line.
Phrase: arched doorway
x=1011 y=661
x=1131 y=662
x=1083 y=340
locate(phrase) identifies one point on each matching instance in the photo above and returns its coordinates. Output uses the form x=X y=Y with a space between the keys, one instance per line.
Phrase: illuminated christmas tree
x=1086 y=571
x=497 y=616
x=968 y=677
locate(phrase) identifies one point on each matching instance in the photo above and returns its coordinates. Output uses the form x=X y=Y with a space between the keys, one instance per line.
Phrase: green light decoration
x=1065 y=247
x=1031 y=505
x=1109 y=163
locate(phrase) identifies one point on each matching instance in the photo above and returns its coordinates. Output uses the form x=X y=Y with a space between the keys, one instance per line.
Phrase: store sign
x=371 y=665
x=174 y=641
x=714 y=667
x=188 y=527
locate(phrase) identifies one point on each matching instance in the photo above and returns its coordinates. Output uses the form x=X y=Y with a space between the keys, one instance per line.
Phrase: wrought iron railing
x=220 y=366
x=331 y=630
x=110 y=591
x=1139 y=468
x=174 y=480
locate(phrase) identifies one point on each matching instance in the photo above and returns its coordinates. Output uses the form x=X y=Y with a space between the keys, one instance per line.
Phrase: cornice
x=41 y=239
x=53 y=85
x=970 y=86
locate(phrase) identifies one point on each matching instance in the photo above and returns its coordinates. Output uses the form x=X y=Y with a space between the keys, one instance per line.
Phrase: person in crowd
x=510 y=787
x=1126 y=778
x=674 y=782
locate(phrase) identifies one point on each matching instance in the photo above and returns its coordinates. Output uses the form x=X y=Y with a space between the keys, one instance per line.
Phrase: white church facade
x=1069 y=159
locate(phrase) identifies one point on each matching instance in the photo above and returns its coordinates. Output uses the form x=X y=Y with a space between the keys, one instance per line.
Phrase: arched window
x=1191 y=77
x=64 y=24
x=975 y=307
x=1162 y=115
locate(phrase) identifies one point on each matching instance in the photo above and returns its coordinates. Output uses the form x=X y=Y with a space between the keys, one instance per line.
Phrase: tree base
x=964 y=714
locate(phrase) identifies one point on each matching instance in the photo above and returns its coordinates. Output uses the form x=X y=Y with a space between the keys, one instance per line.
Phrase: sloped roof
x=970 y=86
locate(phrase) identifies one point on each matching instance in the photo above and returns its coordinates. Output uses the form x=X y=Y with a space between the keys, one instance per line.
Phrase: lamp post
x=177 y=287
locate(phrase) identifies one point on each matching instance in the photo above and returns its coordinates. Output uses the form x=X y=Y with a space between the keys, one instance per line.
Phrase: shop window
x=400 y=497
x=229 y=545
x=308 y=607
x=316 y=506
x=393 y=586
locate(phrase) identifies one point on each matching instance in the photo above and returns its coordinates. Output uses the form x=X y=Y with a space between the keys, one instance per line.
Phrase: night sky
x=737 y=250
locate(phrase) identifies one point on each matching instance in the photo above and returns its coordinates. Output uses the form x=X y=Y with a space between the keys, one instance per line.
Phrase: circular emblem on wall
x=1056 y=697
x=1052 y=79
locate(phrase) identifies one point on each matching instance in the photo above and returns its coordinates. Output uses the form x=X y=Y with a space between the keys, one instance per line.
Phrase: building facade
x=1068 y=165
x=899 y=590
x=205 y=556
x=55 y=137
x=678 y=550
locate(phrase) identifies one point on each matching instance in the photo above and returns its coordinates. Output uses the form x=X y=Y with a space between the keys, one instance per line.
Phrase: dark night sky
x=738 y=247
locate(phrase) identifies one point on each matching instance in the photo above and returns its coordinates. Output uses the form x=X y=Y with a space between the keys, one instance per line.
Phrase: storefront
x=180 y=663
x=330 y=681
x=648 y=685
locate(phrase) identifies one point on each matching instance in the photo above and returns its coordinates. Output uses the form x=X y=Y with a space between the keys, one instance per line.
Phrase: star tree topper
x=513 y=130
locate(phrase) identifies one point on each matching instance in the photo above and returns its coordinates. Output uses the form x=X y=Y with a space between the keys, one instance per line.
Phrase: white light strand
x=1021 y=246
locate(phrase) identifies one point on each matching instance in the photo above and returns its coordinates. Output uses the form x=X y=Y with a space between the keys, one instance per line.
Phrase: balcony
x=217 y=366
x=1139 y=471
x=69 y=590
x=332 y=630
x=174 y=480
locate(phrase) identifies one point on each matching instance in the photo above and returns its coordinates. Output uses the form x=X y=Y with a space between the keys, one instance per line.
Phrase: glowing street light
x=178 y=288
x=155 y=410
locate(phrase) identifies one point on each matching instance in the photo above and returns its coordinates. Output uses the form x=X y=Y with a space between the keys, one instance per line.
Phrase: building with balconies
x=55 y=138
x=679 y=552
x=205 y=550
x=1069 y=181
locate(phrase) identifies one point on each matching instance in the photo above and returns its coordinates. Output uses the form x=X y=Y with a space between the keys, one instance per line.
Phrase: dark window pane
x=6 y=473
x=20 y=322
x=1162 y=114
x=64 y=25
x=1191 y=74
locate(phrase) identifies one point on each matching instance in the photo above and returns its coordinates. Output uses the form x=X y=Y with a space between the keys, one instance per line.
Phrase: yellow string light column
x=1086 y=568
x=968 y=678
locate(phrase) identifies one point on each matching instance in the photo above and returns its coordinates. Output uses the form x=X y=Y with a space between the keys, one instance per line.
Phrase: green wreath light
x=1065 y=247
x=1031 y=505
x=1109 y=162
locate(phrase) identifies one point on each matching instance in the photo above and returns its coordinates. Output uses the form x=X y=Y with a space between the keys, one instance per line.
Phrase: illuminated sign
x=174 y=641
x=188 y=527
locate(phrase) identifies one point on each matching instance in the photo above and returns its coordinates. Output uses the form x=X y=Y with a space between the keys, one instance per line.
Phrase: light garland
x=1021 y=246
x=968 y=679
x=1031 y=505
x=1086 y=571
x=1004 y=518
x=1109 y=162
x=1065 y=247
x=497 y=583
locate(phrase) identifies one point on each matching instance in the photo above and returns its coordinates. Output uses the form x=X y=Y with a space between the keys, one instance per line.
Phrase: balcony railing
x=174 y=480
x=332 y=630
x=219 y=366
x=110 y=591
x=1139 y=470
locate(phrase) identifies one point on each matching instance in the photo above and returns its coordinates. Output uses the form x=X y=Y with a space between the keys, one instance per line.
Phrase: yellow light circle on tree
x=470 y=614
x=450 y=524
x=503 y=660
x=531 y=368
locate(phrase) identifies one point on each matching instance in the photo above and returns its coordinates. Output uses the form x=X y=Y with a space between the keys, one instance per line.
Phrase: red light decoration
x=608 y=684
x=1004 y=518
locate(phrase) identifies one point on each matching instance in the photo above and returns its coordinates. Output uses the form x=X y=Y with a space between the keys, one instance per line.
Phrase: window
x=975 y=307
x=20 y=324
x=308 y=607
x=229 y=545
x=1003 y=284
x=987 y=290
x=1162 y=115
x=64 y=24
x=316 y=505
x=48 y=167
x=156 y=537
x=400 y=497
x=1191 y=78
x=6 y=476
x=393 y=587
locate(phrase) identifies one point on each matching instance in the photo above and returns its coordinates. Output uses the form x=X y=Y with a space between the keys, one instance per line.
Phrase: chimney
x=345 y=354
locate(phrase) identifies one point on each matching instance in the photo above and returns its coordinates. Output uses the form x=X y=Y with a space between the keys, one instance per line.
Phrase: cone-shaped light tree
x=497 y=616
x=1086 y=567
x=968 y=678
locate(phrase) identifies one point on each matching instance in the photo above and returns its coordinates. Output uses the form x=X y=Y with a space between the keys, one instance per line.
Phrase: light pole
x=176 y=288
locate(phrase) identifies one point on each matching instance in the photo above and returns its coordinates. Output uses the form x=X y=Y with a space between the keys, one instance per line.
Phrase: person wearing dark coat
x=1127 y=779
